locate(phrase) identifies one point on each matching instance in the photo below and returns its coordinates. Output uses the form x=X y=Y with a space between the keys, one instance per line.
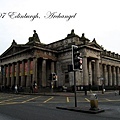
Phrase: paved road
x=54 y=98
x=29 y=107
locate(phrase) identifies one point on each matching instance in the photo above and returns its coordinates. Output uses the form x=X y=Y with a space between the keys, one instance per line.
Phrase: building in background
x=22 y=64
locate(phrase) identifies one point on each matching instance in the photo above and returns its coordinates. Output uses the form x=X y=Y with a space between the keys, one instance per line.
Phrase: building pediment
x=14 y=48
x=94 y=45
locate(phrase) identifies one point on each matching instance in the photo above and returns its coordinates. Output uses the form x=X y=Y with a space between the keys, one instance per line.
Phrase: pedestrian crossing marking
x=17 y=99
x=10 y=103
x=12 y=99
x=30 y=99
x=87 y=99
x=68 y=100
x=48 y=99
x=113 y=100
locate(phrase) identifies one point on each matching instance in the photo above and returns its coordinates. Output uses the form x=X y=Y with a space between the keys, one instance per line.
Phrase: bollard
x=94 y=102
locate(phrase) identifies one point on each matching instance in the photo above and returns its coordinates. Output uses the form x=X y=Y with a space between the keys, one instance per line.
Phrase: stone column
x=52 y=67
x=28 y=73
x=109 y=76
x=17 y=73
x=97 y=75
x=118 y=76
x=90 y=73
x=85 y=71
x=114 y=76
x=58 y=70
x=1 y=75
x=12 y=74
x=44 y=73
x=93 y=73
x=8 y=76
x=105 y=75
x=101 y=73
x=35 y=70
x=4 y=75
x=23 y=74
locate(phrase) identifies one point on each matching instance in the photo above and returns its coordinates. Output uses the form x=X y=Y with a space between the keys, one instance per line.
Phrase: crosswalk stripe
x=68 y=100
x=10 y=103
x=11 y=99
x=87 y=99
x=48 y=99
x=107 y=99
x=30 y=99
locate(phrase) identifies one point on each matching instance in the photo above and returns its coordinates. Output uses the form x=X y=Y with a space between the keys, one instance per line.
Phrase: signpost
x=77 y=65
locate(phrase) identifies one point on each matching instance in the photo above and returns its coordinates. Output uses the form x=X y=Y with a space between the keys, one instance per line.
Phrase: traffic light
x=53 y=77
x=76 y=58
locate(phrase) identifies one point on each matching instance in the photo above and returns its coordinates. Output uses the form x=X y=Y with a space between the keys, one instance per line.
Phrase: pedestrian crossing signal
x=76 y=58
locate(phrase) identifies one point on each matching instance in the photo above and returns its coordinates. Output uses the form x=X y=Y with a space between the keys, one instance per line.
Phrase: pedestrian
x=16 y=88
x=35 y=89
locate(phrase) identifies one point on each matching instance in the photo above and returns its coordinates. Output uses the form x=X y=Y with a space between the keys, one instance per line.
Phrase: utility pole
x=77 y=65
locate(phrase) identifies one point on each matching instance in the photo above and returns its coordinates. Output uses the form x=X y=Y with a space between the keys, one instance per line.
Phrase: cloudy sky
x=99 y=19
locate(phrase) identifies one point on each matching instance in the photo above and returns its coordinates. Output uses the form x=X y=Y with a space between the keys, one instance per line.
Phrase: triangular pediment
x=95 y=45
x=14 y=48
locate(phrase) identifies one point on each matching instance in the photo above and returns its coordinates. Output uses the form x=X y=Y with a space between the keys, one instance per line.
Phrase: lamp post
x=89 y=82
x=75 y=90
x=102 y=79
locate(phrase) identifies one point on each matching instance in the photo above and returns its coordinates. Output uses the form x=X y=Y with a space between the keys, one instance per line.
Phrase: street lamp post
x=102 y=79
x=75 y=90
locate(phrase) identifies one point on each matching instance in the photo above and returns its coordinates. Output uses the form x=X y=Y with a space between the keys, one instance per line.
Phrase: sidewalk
x=70 y=94
x=82 y=109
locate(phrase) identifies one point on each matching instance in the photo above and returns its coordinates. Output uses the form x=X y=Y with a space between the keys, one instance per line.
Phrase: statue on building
x=35 y=37
x=72 y=34
x=14 y=42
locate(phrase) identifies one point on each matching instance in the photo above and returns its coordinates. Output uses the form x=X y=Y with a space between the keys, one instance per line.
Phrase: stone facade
x=23 y=64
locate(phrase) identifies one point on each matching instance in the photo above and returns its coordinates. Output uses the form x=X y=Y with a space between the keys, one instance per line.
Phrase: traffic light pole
x=74 y=48
x=51 y=86
x=75 y=90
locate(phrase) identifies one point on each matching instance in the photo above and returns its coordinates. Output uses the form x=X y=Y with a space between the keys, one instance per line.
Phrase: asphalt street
x=43 y=107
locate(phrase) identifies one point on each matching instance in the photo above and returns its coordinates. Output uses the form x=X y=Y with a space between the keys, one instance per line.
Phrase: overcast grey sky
x=99 y=19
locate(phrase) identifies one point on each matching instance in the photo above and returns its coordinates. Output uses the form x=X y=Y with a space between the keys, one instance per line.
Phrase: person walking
x=16 y=88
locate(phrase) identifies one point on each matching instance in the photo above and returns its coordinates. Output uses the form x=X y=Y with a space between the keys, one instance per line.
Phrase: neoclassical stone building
x=34 y=61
